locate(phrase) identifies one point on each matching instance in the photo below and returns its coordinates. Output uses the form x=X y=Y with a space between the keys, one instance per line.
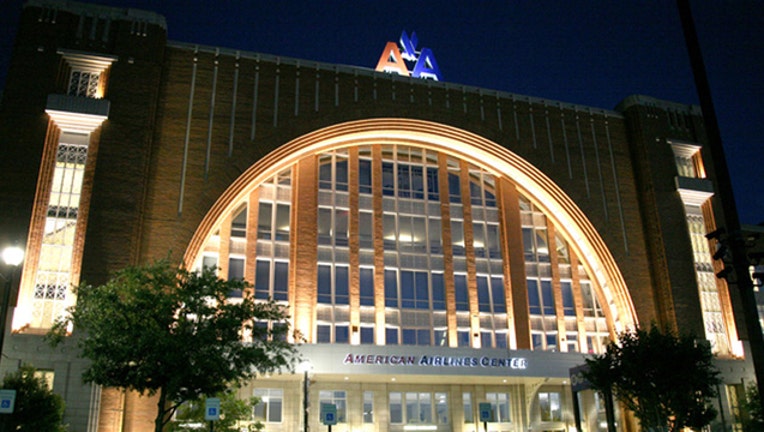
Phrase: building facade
x=439 y=246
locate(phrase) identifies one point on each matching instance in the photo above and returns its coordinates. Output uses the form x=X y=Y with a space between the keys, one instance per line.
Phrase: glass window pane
x=441 y=338
x=504 y=409
x=368 y=407
x=588 y=299
x=324 y=284
x=551 y=341
x=425 y=408
x=365 y=230
x=457 y=237
x=463 y=338
x=537 y=341
x=407 y=289
x=438 y=292
x=367 y=335
x=454 y=188
x=341 y=227
x=460 y=290
x=493 y=241
x=210 y=262
x=404 y=184
x=274 y=410
x=259 y=411
x=567 y=298
x=239 y=224
x=484 y=299
x=467 y=405
x=486 y=339
x=542 y=245
x=396 y=408
x=490 y=198
x=418 y=235
x=235 y=268
x=367 y=287
x=405 y=235
x=342 y=174
x=417 y=182
x=497 y=295
x=341 y=285
x=433 y=187
x=563 y=256
x=435 y=236
x=341 y=334
x=441 y=408
x=264 y=220
x=479 y=241
x=476 y=196
x=281 y=282
x=391 y=336
x=412 y=408
x=391 y=288
x=409 y=336
x=390 y=235
x=388 y=179
x=528 y=246
x=262 y=279
x=547 y=297
x=501 y=340
x=422 y=290
x=282 y=222
x=364 y=176
x=324 y=226
x=423 y=337
x=325 y=171
x=324 y=333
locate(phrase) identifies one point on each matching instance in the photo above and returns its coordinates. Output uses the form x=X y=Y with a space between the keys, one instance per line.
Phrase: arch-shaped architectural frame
x=580 y=233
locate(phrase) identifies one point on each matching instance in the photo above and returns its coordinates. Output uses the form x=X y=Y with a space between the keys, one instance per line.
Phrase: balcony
x=77 y=114
x=694 y=191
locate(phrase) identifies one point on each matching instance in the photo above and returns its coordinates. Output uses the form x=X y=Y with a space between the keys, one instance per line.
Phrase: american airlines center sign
x=405 y=59
x=427 y=360
x=436 y=360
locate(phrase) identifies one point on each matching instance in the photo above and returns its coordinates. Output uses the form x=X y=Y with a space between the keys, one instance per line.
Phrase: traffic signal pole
x=740 y=263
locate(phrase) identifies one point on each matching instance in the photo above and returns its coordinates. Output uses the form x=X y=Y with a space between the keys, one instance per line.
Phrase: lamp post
x=305 y=367
x=12 y=257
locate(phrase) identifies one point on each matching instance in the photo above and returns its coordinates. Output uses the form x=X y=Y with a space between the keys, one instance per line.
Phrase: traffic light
x=722 y=252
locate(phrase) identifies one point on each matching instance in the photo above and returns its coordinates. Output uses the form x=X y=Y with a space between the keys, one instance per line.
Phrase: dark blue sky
x=585 y=52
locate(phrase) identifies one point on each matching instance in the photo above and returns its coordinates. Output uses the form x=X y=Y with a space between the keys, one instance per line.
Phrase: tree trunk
x=159 y=421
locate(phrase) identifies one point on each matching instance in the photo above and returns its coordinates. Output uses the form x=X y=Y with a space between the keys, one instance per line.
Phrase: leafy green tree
x=36 y=407
x=753 y=417
x=667 y=381
x=190 y=416
x=159 y=329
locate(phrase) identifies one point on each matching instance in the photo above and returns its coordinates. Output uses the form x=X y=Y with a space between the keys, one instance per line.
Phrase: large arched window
x=400 y=242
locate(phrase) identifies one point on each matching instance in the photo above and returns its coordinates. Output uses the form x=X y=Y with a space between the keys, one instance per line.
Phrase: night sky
x=586 y=52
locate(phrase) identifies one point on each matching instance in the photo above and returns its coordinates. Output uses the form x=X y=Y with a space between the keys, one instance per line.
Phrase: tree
x=190 y=416
x=667 y=381
x=753 y=417
x=36 y=407
x=161 y=329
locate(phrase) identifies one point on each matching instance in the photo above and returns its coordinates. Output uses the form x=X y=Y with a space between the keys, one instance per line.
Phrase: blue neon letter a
x=408 y=46
x=426 y=66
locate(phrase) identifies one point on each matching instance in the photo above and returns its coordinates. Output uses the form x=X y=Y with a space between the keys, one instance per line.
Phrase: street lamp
x=305 y=367
x=12 y=257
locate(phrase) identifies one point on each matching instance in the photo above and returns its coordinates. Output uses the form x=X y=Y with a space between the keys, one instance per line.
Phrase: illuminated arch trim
x=575 y=226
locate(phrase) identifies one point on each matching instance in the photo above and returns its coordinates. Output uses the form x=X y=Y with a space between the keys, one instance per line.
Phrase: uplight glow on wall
x=404 y=59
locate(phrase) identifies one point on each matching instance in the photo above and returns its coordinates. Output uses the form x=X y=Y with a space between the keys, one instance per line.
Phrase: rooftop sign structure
x=401 y=58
